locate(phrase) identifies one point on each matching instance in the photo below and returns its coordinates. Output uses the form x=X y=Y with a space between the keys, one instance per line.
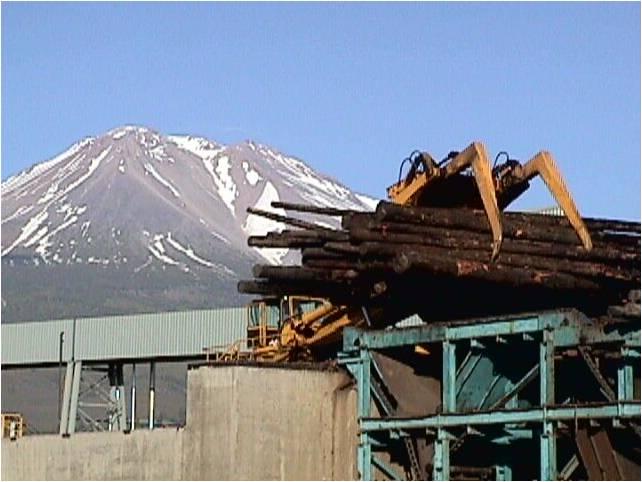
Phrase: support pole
x=75 y=390
x=152 y=388
x=118 y=408
x=60 y=346
x=133 y=399
x=625 y=377
x=503 y=472
x=121 y=398
x=441 y=458
x=64 y=410
x=364 y=455
x=548 y=446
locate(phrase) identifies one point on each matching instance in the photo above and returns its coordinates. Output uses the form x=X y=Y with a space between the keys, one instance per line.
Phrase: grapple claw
x=544 y=165
x=497 y=245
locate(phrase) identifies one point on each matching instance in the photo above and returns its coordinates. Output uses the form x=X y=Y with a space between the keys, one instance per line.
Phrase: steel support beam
x=66 y=399
x=625 y=409
x=548 y=445
x=133 y=399
x=385 y=468
x=496 y=418
x=441 y=458
x=364 y=401
x=70 y=398
x=152 y=394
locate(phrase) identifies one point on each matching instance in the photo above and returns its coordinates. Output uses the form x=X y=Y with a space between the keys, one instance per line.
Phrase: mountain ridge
x=137 y=205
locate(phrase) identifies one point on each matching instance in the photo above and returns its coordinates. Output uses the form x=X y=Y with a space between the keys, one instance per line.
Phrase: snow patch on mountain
x=150 y=169
x=93 y=165
x=24 y=177
x=198 y=146
x=189 y=252
x=369 y=202
x=259 y=226
x=27 y=230
x=158 y=250
x=252 y=176
x=225 y=183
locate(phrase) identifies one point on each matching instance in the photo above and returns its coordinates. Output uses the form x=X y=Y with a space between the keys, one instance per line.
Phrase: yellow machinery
x=444 y=184
x=13 y=425
x=295 y=326
x=306 y=325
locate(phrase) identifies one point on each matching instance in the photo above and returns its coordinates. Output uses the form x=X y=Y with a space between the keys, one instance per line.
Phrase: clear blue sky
x=349 y=88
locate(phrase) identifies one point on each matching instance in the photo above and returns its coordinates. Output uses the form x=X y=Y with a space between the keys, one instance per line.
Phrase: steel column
x=152 y=388
x=364 y=401
x=441 y=458
x=73 y=404
x=625 y=378
x=548 y=446
x=503 y=472
x=133 y=399
x=66 y=399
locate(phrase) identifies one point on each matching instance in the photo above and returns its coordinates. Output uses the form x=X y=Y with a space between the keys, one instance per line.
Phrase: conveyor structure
x=549 y=395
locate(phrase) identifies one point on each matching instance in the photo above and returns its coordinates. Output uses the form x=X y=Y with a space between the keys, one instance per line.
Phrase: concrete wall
x=141 y=455
x=267 y=423
x=242 y=423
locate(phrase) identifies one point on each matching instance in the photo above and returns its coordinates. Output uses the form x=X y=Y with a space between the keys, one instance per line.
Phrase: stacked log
x=406 y=250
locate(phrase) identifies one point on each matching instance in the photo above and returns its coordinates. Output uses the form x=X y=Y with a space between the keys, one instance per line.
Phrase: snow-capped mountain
x=136 y=204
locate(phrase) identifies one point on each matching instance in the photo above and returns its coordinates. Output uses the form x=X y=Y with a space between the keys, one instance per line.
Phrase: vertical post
x=133 y=397
x=548 y=448
x=64 y=410
x=625 y=377
x=441 y=458
x=113 y=397
x=503 y=472
x=364 y=454
x=60 y=343
x=449 y=371
x=75 y=390
x=122 y=399
x=152 y=388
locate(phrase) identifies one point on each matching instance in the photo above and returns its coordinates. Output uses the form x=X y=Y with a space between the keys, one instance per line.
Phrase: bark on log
x=298 y=273
x=299 y=223
x=520 y=226
x=387 y=210
x=337 y=247
x=607 y=255
x=490 y=272
x=306 y=208
x=277 y=242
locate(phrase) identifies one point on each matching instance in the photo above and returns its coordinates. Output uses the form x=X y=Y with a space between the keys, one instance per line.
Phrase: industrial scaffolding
x=549 y=395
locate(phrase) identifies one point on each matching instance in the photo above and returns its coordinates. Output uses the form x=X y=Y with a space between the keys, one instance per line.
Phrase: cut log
x=306 y=208
x=519 y=226
x=496 y=273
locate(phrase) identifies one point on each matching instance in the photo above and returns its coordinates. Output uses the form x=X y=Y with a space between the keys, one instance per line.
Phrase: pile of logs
x=438 y=256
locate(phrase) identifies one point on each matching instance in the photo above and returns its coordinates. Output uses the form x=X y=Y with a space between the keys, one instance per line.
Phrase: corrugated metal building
x=171 y=335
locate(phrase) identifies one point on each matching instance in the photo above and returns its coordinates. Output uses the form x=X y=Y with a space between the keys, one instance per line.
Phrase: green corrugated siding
x=172 y=334
x=36 y=342
x=164 y=334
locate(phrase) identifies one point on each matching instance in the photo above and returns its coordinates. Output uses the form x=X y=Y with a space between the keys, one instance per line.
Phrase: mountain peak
x=177 y=199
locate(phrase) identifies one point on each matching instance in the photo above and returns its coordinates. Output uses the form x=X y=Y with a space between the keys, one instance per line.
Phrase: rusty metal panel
x=601 y=461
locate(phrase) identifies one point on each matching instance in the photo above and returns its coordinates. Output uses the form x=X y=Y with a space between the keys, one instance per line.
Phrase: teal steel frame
x=477 y=398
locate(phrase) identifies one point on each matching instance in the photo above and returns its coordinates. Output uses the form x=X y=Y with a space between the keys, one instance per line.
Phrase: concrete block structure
x=243 y=422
